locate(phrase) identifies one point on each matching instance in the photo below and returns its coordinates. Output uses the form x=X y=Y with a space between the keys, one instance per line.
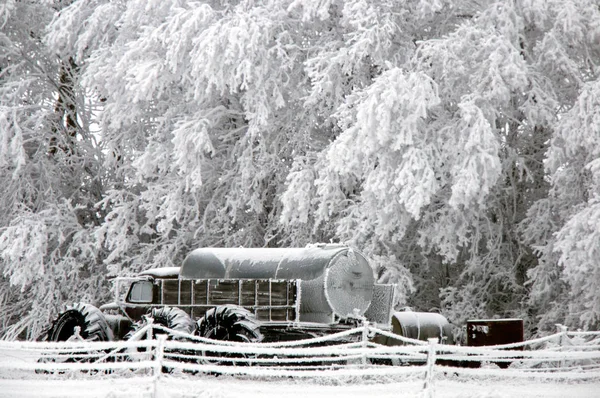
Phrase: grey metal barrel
x=422 y=326
x=419 y=326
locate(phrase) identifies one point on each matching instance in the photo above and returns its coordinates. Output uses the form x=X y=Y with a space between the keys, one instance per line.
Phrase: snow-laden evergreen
x=454 y=142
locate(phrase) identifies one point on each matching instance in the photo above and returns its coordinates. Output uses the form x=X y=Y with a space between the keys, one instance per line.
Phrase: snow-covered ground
x=448 y=383
x=225 y=387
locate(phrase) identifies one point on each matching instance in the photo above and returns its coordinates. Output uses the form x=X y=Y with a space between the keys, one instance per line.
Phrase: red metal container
x=487 y=332
x=484 y=332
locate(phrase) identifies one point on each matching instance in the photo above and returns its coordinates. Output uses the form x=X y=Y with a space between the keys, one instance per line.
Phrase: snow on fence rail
x=562 y=356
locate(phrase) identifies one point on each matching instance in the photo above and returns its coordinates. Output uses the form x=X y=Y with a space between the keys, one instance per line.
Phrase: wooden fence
x=562 y=356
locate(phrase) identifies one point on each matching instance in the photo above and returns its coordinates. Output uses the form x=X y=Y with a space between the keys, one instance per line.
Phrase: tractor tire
x=92 y=327
x=228 y=323
x=90 y=320
x=170 y=317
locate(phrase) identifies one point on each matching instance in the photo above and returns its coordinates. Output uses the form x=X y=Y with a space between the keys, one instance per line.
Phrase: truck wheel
x=228 y=323
x=92 y=327
x=90 y=320
x=169 y=317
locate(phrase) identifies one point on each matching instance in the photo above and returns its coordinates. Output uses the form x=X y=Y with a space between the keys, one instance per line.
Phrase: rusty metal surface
x=270 y=300
x=484 y=332
x=382 y=304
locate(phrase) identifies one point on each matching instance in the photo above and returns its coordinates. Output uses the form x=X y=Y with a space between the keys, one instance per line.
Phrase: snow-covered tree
x=454 y=142
x=51 y=176
x=560 y=226
x=440 y=161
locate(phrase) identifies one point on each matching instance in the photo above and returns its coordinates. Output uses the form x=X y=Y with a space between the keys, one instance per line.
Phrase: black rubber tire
x=92 y=323
x=169 y=317
x=92 y=327
x=229 y=323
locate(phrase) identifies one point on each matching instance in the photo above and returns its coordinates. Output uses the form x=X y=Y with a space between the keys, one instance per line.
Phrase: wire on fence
x=568 y=353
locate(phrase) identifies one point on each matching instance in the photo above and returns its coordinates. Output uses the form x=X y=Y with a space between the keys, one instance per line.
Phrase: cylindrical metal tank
x=336 y=280
x=420 y=326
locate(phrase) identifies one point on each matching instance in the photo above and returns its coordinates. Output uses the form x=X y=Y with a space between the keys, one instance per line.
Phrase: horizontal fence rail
x=350 y=354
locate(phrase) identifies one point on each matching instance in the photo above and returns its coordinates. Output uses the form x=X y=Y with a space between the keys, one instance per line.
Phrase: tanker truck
x=251 y=295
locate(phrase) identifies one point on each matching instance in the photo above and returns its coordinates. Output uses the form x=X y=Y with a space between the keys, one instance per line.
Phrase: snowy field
x=562 y=365
x=225 y=387
x=184 y=386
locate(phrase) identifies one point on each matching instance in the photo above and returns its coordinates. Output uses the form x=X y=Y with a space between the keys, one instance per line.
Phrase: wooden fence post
x=562 y=340
x=150 y=332
x=158 y=361
x=562 y=329
x=429 y=387
x=365 y=341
